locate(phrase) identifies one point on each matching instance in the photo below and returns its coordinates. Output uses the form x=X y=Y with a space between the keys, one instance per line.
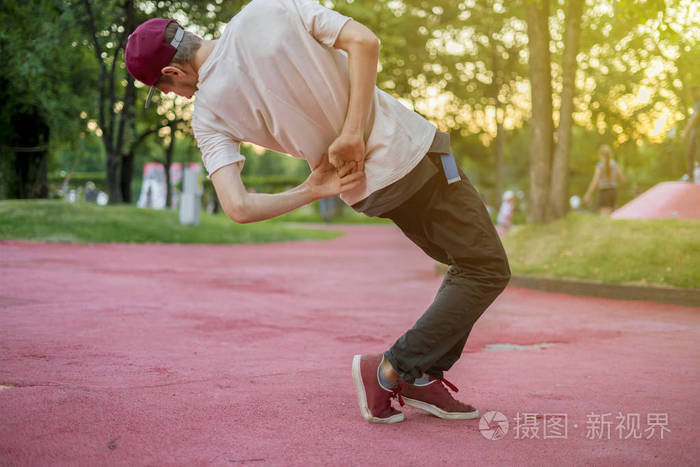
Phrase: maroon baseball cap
x=147 y=51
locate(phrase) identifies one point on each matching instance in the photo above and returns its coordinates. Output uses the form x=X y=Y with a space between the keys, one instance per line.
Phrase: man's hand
x=348 y=148
x=244 y=207
x=326 y=181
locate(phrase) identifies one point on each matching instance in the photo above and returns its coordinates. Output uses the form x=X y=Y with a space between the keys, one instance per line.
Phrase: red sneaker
x=437 y=400
x=375 y=401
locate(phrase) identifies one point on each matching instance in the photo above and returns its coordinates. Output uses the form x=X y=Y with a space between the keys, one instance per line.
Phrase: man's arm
x=362 y=47
x=243 y=207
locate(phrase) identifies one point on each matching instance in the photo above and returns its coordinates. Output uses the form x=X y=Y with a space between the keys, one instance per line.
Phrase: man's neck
x=203 y=53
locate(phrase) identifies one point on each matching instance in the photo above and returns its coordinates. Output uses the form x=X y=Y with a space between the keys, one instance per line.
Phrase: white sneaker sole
x=362 y=396
x=438 y=412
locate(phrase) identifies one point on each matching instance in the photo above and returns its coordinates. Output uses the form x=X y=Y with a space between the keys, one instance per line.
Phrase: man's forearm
x=363 y=56
x=244 y=207
x=262 y=206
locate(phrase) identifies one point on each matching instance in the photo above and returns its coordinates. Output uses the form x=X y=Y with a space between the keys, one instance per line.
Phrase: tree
x=113 y=119
x=542 y=127
x=495 y=42
x=44 y=84
x=559 y=186
x=549 y=164
x=468 y=55
x=108 y=28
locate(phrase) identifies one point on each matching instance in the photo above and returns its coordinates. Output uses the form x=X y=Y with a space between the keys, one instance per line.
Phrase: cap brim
x=148 y=99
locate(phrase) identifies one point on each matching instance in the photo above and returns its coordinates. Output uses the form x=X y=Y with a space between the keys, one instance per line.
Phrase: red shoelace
x=448 y=384
x=397 y=390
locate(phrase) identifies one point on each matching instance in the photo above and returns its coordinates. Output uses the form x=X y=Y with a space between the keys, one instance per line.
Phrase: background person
x=326 y=207
x=91 y=192
x=607 y=173
x=505 y=213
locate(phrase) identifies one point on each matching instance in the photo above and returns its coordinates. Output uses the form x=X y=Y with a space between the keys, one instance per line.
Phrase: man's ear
x=172 y=71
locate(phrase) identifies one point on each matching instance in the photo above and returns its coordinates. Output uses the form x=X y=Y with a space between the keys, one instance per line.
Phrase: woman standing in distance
x=605 y=178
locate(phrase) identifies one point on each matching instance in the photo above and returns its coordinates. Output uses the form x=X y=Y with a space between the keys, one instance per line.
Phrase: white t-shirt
x=607 y=181
x=274 y=79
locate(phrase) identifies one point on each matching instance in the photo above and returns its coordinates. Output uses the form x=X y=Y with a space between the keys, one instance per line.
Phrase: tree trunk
x=496 y=87
x=559 y=194
x=542 y=127
x=27 y=151
x=127 y=122
x=498 y=149
x=127 y=173
x=112 y=165
x=168 y=163
x=31 y=169
x=108 y=116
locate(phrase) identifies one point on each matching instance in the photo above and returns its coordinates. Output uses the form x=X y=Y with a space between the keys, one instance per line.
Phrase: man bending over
x=298 y=78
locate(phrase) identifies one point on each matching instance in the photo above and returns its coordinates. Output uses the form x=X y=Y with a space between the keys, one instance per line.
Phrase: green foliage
x=44 y=84
x=581 y=246
x=472 y=52
x=405 y=29
x=85 y=153
x=42 y=66
x=59 y=221
x=635 y=44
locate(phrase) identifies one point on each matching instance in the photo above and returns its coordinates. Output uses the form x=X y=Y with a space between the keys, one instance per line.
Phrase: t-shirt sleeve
x=323 y=23
x=218 y=149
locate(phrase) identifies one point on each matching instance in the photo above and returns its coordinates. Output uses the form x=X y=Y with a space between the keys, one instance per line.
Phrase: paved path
x=126 y=354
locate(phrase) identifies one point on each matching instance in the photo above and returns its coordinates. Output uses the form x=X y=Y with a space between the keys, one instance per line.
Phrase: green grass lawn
x=59 y=221
x=583 y=246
